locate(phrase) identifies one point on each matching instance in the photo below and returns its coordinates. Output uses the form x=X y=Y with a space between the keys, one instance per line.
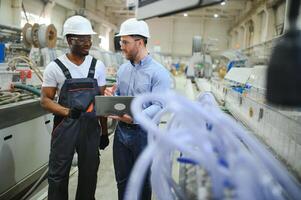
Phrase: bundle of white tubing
x=213 y=140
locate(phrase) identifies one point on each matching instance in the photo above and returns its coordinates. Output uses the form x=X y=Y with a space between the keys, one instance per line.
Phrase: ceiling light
x=223 y=3
x=215 y=15
x=185 y=14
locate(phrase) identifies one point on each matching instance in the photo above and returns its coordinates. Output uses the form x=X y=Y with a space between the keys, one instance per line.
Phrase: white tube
x=209 y=145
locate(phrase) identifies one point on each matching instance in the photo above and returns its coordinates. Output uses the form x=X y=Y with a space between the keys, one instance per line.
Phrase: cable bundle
x=205 y=135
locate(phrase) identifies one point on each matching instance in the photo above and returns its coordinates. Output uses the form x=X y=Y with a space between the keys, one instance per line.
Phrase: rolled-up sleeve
x=161 y=83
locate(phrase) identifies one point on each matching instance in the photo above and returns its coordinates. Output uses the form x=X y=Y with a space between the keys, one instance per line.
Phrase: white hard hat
x=134 y=27
x=77 y=25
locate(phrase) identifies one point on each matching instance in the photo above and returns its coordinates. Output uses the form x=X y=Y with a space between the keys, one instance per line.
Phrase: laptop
x=113 y=105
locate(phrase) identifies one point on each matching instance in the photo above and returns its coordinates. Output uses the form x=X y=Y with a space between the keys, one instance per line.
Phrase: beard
x=130 y=55
x=80 y=51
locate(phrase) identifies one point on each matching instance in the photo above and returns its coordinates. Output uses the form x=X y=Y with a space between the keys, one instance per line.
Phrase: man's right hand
x=110 y=91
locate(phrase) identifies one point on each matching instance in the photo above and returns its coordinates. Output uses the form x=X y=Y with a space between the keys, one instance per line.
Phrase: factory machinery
x=241 y=90
x=25 y=128
x=239 y=86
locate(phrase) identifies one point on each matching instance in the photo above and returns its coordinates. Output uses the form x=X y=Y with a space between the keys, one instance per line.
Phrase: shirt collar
x=142 y=62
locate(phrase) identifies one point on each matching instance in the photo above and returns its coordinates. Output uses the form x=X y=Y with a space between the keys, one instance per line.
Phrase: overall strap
x=63 y=68
x=92 y=68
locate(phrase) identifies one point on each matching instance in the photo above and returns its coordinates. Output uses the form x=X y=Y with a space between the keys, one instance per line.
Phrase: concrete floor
x=106 y=185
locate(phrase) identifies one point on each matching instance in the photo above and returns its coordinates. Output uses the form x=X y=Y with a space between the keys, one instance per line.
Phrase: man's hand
x=104 y=141
x=110 y=91
x=124 y=118
x=74 y=113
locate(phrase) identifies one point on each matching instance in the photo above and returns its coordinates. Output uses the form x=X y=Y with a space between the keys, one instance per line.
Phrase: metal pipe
x=14 y=97
x=10 y=28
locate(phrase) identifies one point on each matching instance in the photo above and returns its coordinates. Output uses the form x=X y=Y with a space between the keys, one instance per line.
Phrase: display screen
x=154 y=8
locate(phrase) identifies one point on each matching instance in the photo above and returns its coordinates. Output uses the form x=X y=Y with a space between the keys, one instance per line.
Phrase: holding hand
x=124 y=118
x=110 y=91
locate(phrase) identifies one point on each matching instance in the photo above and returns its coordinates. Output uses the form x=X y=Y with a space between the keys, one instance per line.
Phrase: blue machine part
x=230 y=65
x=236 y=63
x=238 y=89
x=2 y=52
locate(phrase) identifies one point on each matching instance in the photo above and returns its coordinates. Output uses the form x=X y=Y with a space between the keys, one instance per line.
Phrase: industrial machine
x=24 y=126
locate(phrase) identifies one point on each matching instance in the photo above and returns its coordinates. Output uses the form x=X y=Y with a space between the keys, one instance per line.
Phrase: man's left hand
x=124 y=118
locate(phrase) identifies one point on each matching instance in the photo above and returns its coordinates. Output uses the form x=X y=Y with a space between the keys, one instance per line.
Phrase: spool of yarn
x=47 y=36
x=26 y=32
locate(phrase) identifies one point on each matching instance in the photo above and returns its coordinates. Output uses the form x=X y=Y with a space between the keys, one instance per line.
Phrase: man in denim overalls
x=142 y=74
x=76 y=77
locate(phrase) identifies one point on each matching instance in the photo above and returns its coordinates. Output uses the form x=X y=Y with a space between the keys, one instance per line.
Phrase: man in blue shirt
x=142 y=74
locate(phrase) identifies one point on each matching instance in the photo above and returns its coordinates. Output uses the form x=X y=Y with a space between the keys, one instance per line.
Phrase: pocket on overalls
x=80 y=95
x=58 y=132
x=64 y=137
x=57 y=123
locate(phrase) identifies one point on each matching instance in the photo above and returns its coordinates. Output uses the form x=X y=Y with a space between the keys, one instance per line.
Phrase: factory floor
x=106 y=185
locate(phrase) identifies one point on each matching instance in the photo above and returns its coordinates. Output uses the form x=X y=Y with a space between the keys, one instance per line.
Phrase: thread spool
x=47 y=36
x=34 y=35
x=39 y=36
x=26 y=32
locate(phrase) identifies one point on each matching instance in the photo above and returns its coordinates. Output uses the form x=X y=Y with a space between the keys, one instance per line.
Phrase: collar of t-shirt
x=75 y=65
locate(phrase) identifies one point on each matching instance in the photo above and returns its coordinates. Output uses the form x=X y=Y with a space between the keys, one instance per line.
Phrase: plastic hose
x=208 y=137
x=28 y=88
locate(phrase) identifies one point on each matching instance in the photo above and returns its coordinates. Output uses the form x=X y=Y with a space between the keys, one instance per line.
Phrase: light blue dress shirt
x=147 y=76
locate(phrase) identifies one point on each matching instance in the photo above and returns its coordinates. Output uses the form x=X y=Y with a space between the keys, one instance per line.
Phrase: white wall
x=10 y=13
x=33 y=6
x=58 y=17
x=174 y=35
x=5 y=10
x=161 y=34
x=218 y=29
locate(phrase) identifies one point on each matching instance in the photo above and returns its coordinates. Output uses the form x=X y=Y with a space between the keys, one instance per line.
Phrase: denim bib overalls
x=81 y=135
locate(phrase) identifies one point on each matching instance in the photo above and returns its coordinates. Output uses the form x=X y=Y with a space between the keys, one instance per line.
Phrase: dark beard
x=77 y=50
x=83 y=54
x=132 y=57
x=80 y=53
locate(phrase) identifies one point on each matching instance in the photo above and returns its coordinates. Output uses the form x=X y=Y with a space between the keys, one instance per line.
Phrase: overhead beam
x=67 y=4
x=99 y=17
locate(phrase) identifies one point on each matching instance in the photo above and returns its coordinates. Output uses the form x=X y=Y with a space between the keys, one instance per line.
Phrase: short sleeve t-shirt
x=54 y=76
